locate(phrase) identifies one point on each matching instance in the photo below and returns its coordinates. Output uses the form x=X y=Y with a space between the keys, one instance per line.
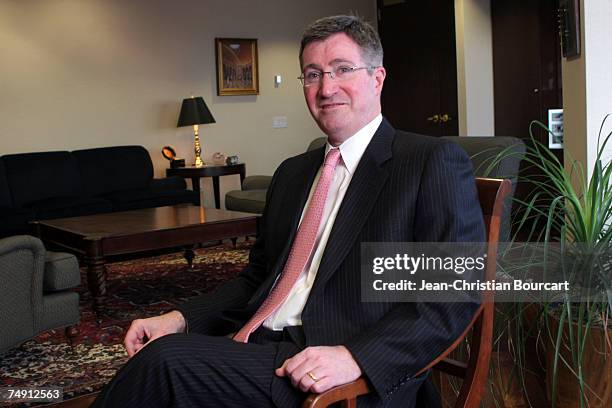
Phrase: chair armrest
x=168 y=183
x=256 y=182
x=346 y=392
x=61 y=272
x=22 y=263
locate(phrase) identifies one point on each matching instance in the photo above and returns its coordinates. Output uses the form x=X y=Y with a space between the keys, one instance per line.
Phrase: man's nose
x=328 y=86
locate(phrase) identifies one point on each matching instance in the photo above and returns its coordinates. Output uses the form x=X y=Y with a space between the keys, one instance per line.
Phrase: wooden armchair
x=491 y=193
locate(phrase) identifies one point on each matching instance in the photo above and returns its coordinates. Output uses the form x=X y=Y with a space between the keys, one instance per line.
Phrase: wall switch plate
x=279 y=122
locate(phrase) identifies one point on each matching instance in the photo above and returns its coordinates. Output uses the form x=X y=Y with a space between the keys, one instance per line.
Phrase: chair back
x=491 y=194
x=316 y=143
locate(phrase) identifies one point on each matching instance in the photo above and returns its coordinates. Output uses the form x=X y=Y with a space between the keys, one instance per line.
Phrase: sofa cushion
x=118 y=168
x=252 y=201
x=38 y=176
x=147 y=198
x=5 y=193
x=69 y=207
x=61 y=271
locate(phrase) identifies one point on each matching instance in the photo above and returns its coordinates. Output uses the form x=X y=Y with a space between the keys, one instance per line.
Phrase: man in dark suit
x=293 y=321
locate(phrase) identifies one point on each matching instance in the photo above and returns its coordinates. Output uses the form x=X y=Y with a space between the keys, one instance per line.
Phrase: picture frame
x=569 y=27
x=555 y=126
x=237 y=66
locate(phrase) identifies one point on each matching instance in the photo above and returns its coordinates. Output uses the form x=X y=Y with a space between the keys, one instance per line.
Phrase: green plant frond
x=551 y=215
x=572 y=206
x=586 y=214
x=600 y=149
x=489 y=163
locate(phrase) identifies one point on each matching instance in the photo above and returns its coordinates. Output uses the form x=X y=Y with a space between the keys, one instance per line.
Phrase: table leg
x=96 y=275
x=242 y=176
x=189 y=255
x=216 y=191
x=195 y=184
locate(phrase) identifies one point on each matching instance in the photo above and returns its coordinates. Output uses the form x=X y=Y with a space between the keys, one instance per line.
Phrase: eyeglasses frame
x=332 y=75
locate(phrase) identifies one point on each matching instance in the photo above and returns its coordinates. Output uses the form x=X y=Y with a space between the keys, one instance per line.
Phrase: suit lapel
x=362 y=193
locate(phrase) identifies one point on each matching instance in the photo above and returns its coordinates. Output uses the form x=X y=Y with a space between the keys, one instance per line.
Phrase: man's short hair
x=359 y=30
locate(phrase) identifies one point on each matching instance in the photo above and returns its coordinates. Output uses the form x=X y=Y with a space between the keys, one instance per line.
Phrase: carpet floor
x=135 y=289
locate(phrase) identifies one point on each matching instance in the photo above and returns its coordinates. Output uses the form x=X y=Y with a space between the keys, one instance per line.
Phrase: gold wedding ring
x=311 y=375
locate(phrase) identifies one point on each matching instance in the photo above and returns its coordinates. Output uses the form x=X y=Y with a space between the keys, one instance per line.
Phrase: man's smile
x=331 y=106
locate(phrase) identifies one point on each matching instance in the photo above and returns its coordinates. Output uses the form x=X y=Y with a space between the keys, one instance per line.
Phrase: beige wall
x=574 y=106
x=587 y=86
x=474 y=67
x=87 y=73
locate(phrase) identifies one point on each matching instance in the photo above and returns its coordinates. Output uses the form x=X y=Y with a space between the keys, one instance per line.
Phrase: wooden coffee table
x=99 y=236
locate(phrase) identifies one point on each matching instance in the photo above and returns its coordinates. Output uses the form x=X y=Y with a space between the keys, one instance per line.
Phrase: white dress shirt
x=290 y=312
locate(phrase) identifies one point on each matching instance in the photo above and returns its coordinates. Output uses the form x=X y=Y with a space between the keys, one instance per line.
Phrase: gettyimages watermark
x=456 y=272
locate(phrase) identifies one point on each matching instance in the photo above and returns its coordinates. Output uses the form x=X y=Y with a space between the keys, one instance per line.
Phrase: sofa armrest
x=256 y=182
x=169 y=183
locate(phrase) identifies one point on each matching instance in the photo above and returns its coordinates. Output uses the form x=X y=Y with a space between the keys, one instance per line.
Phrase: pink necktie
x=300 y=251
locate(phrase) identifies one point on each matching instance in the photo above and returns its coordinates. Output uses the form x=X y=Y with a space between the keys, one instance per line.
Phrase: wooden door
x=420 y=92
x=526 y=65
x=526 y=75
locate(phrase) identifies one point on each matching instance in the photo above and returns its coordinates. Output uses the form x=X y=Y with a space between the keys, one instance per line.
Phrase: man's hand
x=143 y=331
x=317 y=369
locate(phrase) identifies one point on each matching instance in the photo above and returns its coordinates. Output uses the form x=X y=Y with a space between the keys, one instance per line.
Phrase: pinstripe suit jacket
x=407 y=187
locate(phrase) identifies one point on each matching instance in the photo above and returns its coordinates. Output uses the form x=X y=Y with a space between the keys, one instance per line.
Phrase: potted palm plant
x=575 y=209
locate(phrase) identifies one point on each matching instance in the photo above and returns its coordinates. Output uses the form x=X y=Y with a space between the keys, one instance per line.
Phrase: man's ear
x=379 y=77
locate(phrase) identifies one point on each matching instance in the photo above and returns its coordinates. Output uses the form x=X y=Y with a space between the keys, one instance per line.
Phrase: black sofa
x=46 y=185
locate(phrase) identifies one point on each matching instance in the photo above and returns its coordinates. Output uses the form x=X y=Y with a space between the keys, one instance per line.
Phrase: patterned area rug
x=138 y=288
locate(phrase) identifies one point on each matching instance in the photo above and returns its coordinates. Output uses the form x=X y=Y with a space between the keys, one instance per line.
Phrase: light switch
x=279 y=122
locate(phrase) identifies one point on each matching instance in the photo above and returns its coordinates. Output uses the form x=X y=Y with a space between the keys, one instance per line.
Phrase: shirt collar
x=352 y=148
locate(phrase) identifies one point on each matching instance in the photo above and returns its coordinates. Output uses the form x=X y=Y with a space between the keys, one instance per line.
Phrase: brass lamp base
x=197 y=148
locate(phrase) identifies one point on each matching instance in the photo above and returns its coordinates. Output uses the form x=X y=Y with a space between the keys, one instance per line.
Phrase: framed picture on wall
x=237 y=67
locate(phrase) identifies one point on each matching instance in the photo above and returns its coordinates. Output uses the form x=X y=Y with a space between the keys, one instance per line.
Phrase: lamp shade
x=194 y=112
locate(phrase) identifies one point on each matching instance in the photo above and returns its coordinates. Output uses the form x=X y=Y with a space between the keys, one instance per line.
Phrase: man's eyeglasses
x=312 y=77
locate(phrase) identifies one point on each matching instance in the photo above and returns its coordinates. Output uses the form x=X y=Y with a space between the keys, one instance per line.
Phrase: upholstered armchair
x=252 y=197
x=35 y=290
x=483 y=152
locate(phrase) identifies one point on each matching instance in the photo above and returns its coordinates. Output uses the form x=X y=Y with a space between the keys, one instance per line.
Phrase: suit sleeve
x=411 y=335
x=203 y=313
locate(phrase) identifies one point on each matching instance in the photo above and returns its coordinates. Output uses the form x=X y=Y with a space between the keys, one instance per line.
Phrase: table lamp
x=195 y=112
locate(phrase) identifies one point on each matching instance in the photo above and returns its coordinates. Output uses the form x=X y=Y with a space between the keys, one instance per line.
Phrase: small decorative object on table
x=169 y=153
x=231 y=160
x=218 y=158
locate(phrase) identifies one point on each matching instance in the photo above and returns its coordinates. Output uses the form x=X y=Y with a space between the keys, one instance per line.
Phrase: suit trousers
x=195 y=370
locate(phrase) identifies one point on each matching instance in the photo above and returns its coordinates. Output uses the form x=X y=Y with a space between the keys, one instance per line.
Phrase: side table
x=211 y=170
